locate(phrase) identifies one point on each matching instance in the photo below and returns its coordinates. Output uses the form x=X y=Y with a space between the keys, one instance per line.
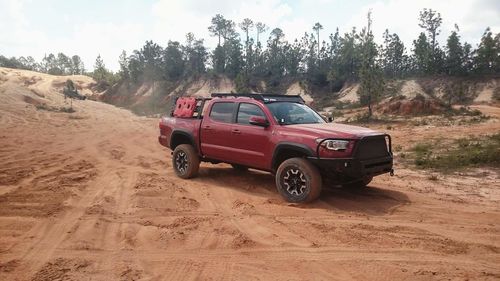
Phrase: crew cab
x=279 y=134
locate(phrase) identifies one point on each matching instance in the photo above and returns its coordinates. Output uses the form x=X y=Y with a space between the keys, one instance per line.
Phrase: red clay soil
x=91 y=196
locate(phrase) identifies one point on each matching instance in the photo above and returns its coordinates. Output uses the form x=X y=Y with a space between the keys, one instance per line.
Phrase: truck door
x=216 y=131
x=250 y=143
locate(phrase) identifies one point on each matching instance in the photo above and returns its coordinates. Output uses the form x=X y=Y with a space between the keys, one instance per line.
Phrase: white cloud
x=107 y=39
x=171 y=20
x=174 y=19
x=401 y=17
x=21 y=38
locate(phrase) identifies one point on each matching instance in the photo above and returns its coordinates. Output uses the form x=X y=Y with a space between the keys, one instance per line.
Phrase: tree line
x=320 y=60
x=59 y=64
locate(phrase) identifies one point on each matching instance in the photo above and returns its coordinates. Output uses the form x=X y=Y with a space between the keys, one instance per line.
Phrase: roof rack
x=266 y=98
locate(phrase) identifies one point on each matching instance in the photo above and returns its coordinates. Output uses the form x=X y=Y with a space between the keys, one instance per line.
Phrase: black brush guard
x=369 y=158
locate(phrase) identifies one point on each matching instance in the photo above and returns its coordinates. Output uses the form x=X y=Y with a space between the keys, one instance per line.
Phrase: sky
x=92 y=27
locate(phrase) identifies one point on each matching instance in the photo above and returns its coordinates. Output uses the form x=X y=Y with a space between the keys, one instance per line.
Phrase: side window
x=222 y=112
x=246 y=110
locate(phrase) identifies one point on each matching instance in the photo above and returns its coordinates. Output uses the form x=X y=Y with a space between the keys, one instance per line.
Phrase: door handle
x=236 y=131
x=207 y=128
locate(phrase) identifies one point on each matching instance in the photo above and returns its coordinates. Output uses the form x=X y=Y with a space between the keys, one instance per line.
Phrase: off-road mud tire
x=185 y=161
x=298 y=180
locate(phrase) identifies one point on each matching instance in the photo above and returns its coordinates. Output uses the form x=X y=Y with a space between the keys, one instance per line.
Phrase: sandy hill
x=157 y=96
x=476 y=91
x=39 y=88
x=400 y=96
x=148 y=97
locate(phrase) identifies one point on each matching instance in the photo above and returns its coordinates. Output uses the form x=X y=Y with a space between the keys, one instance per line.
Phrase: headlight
x=335 y=144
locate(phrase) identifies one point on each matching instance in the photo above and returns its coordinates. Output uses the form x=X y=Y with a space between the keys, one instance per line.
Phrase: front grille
x=372 y=147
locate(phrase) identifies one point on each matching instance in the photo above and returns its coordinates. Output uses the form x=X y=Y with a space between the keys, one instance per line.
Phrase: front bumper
x=352 y=168
x=368 y=159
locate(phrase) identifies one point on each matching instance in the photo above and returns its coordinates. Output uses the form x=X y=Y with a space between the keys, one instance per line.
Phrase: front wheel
x=185 y=161
x=298 y=181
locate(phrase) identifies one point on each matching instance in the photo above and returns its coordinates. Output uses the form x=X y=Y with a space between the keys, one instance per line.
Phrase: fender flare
x=183 y=133
x=298 y=147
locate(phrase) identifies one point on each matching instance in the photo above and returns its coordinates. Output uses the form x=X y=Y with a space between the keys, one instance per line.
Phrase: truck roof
x=266 y=98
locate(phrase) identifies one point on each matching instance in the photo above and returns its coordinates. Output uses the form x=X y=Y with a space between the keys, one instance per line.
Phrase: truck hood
x=331 y=130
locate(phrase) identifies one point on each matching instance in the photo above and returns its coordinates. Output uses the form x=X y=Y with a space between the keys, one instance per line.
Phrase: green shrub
x=462 y=153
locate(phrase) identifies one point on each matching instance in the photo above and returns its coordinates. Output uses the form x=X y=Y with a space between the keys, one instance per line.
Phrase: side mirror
x=328 y=119
x=258 y=121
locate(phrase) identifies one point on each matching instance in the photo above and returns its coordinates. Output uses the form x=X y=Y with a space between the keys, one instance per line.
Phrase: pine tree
x=100 y=71
x=195 y=55
x=135 y=66
x=234 y=58
x=486 y=54
x=468 y=59
x=152 y=57
x=261 y=28
x=317 y=27
x=497 y=55
x=63 y=64
x=219 y=60
x=393 y=55
x=431 y=20
x=123 y=62
x=454 y=54
x=173 y=60
x=275 y=57
x=217 y=27
x=77 y=66
x=246 y=25
x=372 y=83
x=422 y=55
x=349 y=56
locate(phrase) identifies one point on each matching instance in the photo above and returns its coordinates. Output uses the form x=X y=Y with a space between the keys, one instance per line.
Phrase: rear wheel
x=298 y=181
x=185 y=161
x=239 y=168
x=359 y=183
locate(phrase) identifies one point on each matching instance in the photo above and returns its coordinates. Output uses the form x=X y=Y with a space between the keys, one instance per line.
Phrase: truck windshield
x=289 y=113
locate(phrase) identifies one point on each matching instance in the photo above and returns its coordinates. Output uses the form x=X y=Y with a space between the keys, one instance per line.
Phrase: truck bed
x=190 y=126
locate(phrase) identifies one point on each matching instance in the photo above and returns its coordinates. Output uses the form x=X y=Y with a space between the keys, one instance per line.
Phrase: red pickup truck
x=279 y=134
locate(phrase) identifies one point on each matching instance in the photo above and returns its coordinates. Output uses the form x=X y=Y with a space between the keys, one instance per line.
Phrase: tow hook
x=392 y=172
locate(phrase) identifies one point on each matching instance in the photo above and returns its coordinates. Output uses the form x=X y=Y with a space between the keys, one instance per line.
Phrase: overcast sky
x=92 y=27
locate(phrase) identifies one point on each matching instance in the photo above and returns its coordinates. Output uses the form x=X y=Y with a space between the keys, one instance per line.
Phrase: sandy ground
x=91 y=196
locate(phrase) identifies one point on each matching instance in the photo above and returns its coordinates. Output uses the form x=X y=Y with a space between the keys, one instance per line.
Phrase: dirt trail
x=91 y=196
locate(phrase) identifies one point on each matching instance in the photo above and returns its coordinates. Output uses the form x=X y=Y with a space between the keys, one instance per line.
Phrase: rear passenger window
x=246 y=110
x=222 y=112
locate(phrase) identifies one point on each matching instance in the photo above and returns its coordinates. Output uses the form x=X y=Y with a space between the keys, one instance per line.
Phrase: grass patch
x=462 y=153
x=420 y=122
x=462 y=111
x=346 y=105
x=433 y=178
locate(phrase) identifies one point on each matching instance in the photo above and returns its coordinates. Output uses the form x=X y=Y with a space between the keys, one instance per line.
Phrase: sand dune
x=91 y=196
